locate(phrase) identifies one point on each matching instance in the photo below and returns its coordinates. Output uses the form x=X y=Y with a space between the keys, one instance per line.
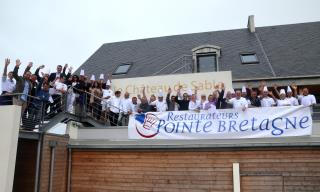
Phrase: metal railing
x=87 y=105
x=183 y=64
x=35 y=112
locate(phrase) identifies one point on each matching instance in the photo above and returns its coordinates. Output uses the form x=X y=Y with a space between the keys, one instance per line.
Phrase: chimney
x=251 y=26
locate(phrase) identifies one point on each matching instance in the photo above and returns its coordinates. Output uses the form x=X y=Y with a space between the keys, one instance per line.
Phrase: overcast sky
x=53 y=32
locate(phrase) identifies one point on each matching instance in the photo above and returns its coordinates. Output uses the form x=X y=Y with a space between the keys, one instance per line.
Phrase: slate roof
x=292 y=50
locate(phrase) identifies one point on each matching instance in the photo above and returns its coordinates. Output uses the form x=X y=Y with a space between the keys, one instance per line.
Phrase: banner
x=260 y=122
x=205 y=82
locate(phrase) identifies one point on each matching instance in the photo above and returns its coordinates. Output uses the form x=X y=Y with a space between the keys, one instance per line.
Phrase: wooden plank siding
x=60 y=164
x=261 y=170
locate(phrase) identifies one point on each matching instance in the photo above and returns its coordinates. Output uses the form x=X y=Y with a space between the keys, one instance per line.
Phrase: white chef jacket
x=293 y=101
x=160 y=105
x=307 y=100
x=239 y=103
x=267 y=102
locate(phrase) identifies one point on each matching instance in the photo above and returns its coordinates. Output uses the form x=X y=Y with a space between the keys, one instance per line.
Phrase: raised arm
x=37 y=72
x=168 y=95
x=64 y=69
x=179 y=92
x=16 y=69
x=196 y=92
x=6 y=63
x=69 y=73
x=249 y=87
x=273 y=97
x=295 y=89
x=30 y=64
x=221 y=93
x=144 y=92
x=275 y=87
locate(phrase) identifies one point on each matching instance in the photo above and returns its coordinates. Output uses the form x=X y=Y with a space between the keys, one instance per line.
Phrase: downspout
x=52 y=145
x=39 y=157
x=69 y=169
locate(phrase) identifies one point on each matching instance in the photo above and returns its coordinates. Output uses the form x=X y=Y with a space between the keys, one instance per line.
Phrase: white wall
x=9 y=132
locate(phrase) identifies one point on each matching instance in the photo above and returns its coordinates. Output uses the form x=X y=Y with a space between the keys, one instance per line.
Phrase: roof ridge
x=203 y=32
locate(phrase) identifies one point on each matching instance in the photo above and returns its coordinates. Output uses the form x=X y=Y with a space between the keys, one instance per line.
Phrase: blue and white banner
x=222 y=124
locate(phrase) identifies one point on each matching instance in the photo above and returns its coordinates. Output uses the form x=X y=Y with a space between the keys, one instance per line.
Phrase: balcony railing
x=82 y=106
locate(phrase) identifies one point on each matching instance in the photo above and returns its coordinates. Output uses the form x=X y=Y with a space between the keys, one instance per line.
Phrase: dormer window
x=122 y=69
x=206 y=62
x=206 y=58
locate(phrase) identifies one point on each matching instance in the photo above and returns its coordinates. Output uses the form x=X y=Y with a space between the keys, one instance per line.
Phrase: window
x=122 y=69
x=206 y=58
x=206 y=62
x=249 y=58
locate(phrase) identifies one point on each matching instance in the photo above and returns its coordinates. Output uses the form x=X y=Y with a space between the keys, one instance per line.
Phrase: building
x=278 y=54
x=93 y=157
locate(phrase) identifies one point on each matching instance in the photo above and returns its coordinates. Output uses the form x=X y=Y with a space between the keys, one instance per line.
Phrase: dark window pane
x=122 y=69
x=206 y=63
x=249 y=58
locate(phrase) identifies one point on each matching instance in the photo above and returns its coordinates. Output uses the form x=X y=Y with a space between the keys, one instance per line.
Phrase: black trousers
x=113 y=117
x=96 y=108
x=5 y=99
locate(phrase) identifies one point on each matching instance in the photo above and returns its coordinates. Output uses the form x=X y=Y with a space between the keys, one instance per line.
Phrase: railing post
x=41 y=118
x=84 y=104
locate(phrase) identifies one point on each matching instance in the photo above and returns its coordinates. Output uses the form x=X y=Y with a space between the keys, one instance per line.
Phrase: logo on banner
x=146 y=125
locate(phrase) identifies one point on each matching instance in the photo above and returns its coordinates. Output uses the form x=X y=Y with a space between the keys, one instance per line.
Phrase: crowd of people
x=50 y=93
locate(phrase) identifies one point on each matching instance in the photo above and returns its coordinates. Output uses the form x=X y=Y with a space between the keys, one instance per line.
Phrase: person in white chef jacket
x=160 y=103
x=115 y=108
x=244 y=94
x=283 y=101
x=126 y=104
x=267 y=101
x=293 y=100
x=239 y=102
x=107 y=93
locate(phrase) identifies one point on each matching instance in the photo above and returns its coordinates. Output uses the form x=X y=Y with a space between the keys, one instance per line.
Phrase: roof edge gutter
x=278 y=78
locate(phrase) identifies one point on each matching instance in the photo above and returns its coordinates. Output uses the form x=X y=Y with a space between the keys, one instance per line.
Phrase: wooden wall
x=60 y=164
x=261 y=170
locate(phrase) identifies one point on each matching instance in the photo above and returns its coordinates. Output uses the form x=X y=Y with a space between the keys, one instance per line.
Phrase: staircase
x=183 y=64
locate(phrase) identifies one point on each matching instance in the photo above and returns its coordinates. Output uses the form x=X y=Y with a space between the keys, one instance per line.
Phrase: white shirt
x=307 y=100
x=8 y=85
x=239 y=103
x=194 y=105
x=160 y=105
x=126 y=105
x=284 y=102
x=293 y=101
x=60 y=86
x=106 y=93
x=115 y=104
x=203 y=104
x=267 y=102
x=134 y=108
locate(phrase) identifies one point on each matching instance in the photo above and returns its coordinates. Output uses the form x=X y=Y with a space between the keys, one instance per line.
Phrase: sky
x=53 y=32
